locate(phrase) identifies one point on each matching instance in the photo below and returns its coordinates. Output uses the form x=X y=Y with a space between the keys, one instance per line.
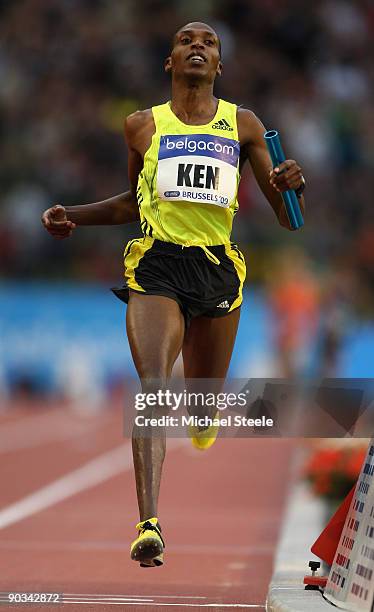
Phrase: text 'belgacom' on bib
x=198 y=168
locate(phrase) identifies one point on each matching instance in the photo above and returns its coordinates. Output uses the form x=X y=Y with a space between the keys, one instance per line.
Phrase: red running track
x=68 y=510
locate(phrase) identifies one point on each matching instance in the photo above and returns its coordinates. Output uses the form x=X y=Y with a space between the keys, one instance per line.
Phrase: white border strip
x=165 y=604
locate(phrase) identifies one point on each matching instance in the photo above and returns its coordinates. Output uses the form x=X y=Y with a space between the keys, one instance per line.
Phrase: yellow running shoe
x=148 y=548
x=202 y=439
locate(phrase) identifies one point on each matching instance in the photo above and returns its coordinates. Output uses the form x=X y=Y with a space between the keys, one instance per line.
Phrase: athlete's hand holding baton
x=286 y=177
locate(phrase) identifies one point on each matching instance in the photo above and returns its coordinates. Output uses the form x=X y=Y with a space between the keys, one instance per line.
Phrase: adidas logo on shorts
x=222 y=124
x=224 y=304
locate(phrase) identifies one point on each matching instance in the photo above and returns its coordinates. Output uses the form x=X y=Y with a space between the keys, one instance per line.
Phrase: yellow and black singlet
x=187 y=190
x=187 y=197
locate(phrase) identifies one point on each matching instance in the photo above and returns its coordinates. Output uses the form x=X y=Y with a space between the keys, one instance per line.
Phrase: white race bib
x=198 y=168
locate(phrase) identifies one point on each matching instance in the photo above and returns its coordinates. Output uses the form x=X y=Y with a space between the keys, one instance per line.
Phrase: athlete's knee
x=154 y=385
x=151 y=404
x=154 y=395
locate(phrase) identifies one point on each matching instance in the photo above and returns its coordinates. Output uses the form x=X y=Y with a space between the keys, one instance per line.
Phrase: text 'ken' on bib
x=198 y=168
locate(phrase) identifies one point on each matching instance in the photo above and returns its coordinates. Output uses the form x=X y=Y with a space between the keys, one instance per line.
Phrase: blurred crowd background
x=71 y=70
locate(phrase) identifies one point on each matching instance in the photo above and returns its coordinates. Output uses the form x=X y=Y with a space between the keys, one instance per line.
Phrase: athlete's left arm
x=271 y=183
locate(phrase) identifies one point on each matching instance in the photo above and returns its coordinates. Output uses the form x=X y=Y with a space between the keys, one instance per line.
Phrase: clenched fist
x=56 y=222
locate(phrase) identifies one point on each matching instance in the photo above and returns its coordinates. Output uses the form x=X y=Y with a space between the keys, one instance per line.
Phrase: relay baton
x=289 y=197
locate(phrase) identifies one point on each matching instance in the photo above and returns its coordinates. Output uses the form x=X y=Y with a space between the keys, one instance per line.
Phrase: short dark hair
x=175 y=34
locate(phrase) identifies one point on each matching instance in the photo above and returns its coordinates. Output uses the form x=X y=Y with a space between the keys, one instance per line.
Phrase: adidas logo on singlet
x=222 y=124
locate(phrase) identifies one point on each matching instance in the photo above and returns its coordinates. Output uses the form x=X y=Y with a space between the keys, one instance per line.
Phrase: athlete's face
x=196 y=53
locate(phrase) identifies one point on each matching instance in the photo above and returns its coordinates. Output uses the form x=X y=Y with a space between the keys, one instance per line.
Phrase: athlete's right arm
x=60 y=221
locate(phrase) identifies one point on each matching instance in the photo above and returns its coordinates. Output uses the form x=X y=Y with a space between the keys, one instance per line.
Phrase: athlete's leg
x=155 y=329
x=208 y=346
x=207 y=350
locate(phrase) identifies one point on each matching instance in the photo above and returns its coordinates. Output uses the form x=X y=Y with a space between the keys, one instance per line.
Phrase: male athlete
x=183 y=276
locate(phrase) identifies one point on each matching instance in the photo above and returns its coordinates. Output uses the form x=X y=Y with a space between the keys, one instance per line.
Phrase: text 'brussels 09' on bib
x=199 y=168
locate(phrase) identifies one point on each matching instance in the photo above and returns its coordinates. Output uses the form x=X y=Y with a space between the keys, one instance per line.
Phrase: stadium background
x=71 y=70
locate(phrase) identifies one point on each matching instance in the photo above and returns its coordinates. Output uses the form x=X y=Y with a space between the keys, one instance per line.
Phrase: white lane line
x=91 y=474
x=63 y=600
x=113 y=600
x=93 y=595
x=166 y=605
x=217 y=606
x=145 y=599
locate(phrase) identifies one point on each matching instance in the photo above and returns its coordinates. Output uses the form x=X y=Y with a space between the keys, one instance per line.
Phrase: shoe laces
x=148 y=526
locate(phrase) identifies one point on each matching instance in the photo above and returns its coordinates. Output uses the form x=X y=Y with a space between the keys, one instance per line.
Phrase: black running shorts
x=189 y=275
